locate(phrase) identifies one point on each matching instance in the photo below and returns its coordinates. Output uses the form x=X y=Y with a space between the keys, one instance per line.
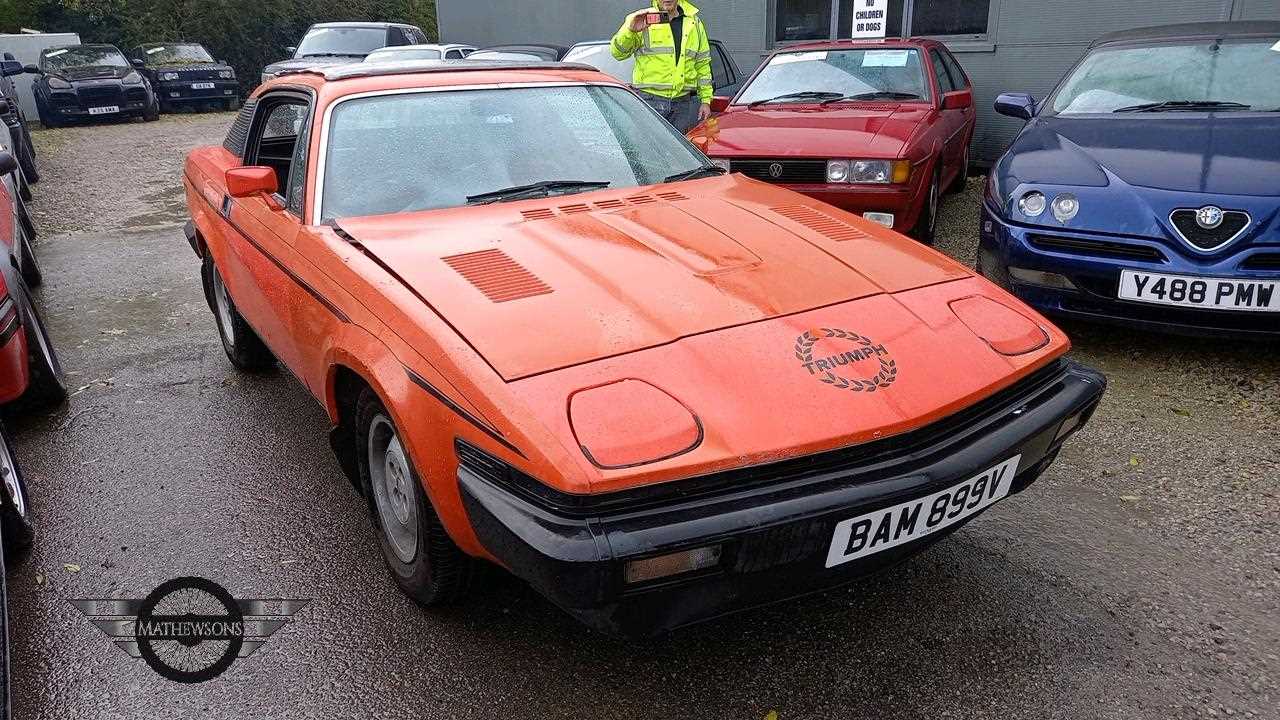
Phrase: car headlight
x=1032 y=203
x=58 y=83
x=1065 y=207
x=874 y=172
x=226 y=74
x=722 y=163
x=168 y=76
x=132 y=78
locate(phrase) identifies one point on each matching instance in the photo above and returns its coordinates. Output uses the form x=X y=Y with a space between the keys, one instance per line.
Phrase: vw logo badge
x=775 y=170
x=1209 y=217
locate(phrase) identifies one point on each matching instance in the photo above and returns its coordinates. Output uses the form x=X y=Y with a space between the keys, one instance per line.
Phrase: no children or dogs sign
x=869 y=18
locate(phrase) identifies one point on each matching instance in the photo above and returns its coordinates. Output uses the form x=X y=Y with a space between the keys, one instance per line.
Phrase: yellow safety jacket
x=658 y=71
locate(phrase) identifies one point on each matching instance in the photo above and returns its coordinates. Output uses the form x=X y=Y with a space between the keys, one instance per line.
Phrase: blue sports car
x=1145 y=190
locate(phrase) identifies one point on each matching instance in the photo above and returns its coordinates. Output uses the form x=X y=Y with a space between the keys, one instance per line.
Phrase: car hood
x=94 y=72
x=535 y=286
x=309 y=62
x=879 y=130
x=1220 y=153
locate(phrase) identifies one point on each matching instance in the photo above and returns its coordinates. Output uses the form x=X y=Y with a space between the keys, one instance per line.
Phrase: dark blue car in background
x=1145 y=190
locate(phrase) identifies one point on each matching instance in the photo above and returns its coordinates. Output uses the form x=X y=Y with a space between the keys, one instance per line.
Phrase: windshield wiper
x=695 y=173
x=1192 y=105
x=538 y=189
x=876 y=95
x=803 y=94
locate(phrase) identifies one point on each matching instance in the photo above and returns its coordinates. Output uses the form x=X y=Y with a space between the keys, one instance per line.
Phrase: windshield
x=428 y=150
x=1247 y=73
x=342 y=41
x=82 y=56
x=392 y=55
x=839 y=73
x=177 y=55
x=600 y=57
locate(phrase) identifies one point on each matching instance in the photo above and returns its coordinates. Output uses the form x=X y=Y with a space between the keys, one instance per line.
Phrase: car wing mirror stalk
x=1018 y=105
x=255 y=181
x=32 y=69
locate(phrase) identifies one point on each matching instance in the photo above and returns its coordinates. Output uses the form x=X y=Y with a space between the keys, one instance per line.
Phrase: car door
x=960 y=79
x=261 y=281
x=952 y=121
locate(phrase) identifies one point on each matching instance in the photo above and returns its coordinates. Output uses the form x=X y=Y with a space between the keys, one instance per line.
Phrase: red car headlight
x=1006 y=330
x=631 y=422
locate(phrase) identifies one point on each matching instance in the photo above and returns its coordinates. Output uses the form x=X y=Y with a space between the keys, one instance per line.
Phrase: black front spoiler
x=774 y=535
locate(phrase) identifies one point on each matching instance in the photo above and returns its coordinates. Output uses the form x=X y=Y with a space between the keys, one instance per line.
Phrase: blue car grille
x=1100 y=248
x=1233 y=223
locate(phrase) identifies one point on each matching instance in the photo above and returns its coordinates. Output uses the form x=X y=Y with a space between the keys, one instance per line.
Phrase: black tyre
x=47 y=118
x=244 y=348
x=27 y=260
x=424 y=561
x=26 y=157
x=47 y=384
x=927 y=224
x=17 y=530
x=957 y=185
x=152 y=113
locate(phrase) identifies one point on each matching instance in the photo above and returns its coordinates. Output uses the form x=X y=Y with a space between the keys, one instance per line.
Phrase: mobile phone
x=655 y=18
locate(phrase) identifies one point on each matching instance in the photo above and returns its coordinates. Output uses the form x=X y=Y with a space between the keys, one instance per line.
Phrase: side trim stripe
x=462 y=412
x=328 y=305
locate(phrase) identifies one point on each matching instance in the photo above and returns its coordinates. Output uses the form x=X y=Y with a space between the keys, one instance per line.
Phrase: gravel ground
x=1139 y=578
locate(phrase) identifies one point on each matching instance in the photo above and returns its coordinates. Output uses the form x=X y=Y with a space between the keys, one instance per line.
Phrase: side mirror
x=138 y=63
x=720 y=103
x=31 y=69
x=1018 y=105
x=9 y=68
x=958 y=100
x=7 y=163
x=291 y=49
x=253 y=181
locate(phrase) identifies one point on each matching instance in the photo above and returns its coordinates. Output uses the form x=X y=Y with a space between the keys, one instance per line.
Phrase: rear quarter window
x=238 y=136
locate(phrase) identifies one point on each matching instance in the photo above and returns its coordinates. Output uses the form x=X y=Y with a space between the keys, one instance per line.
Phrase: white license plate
x=1200 y=292
x=201 y=86
x=883 y=529
x=104 y=110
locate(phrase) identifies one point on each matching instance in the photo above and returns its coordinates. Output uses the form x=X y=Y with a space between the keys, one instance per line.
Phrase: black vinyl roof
x=1191 y=31
x=413 y=67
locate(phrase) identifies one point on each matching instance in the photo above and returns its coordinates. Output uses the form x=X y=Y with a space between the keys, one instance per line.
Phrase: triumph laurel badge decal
x=824 y=367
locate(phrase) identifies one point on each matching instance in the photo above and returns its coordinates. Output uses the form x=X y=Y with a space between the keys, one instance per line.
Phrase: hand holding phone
x=640 y=20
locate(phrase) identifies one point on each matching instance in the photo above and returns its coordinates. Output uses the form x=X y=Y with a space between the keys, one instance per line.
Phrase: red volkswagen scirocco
x=877 y=128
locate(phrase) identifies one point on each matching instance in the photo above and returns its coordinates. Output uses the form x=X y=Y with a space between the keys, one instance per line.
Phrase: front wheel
x=421 y=556
x=48 y=384
x=17 y=531
x=244 y=348
x=927 y=224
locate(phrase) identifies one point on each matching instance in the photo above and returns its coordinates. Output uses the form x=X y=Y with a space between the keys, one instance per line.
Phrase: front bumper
x=1094 y=266
x=904 y=201
x=774 y=523
x=75 y=104
x=179 y=91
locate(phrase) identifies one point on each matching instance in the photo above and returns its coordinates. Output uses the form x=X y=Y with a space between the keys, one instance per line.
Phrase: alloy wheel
x=393 y=491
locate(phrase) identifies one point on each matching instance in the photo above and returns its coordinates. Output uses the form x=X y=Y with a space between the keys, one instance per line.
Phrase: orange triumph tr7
x=551 y=335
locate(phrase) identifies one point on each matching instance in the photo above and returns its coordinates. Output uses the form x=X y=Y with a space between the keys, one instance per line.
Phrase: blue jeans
x=681 y=112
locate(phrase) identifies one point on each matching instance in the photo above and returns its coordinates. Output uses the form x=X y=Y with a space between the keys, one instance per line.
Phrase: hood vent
x=495 y=274
x=547 y=213
x=821 y=223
